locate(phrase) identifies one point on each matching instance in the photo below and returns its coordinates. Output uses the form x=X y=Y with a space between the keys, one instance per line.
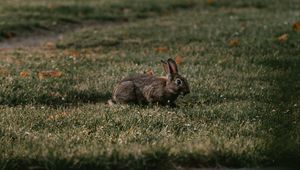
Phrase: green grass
x=21 y=18
x=243 y=110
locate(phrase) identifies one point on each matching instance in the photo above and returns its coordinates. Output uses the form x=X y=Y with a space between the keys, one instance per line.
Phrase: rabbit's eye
x=178 y=82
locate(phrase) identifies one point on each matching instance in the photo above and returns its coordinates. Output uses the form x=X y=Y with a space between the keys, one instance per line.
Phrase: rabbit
x=148 y=88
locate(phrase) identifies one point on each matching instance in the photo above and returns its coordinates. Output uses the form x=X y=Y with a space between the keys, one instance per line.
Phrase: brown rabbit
x=146 y=88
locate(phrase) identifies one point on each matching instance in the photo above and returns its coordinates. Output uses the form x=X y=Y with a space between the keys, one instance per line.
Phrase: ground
x=241 y=59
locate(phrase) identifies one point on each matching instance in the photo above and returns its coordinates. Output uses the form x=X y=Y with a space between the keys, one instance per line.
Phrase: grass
x=243 y=110
x=21 y=19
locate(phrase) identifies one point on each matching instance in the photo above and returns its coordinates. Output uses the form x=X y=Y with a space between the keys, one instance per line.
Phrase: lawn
x=241 y=58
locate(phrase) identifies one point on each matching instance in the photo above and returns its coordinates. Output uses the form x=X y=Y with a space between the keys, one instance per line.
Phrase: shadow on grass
x=281 y=120
x=68 y=99
x=74 y=98
x=278 y=106
x=156 y=158
x=151 y=160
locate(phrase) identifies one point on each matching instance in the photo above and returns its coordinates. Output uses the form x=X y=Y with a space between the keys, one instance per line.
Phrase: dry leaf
x=9 y=35
x=57 y=116
x=49 y=45
x=72 y=53
x=48 y=74
x=210 y=2
x=161 y=49
x=4 y=49
x=51 y=6
x=149 y=72
x=24 y=74
x=234 y=42
x=178 y=60
x=283 y=38
x=296 y=26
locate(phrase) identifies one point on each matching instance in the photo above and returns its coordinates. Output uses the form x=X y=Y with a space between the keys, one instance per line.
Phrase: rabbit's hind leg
x=125 y=92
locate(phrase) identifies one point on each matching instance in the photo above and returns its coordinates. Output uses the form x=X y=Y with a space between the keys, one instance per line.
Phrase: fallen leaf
x=4 y=49
x=57 y=116
x=51 y=6
x=9 y=35
x=49 y=45
x=24 y=74
x=149 y=72
x=178 y=60
x=234 y=42
x=210 y=2
x=161 y=49
x=72 y=53
x=48 y=74
x=283 y=38
x=296 y=26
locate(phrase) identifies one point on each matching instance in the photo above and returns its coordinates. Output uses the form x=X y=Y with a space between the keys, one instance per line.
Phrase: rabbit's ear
x=172 y=66
x=166 y=66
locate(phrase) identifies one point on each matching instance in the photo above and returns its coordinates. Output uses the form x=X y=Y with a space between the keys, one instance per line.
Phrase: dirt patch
x=33 y=41
x=41 y=38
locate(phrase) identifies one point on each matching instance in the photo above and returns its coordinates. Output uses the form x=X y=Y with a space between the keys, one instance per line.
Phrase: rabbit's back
x=140 y=88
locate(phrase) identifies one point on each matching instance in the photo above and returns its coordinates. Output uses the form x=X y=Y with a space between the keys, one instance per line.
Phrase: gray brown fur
x=145 y=88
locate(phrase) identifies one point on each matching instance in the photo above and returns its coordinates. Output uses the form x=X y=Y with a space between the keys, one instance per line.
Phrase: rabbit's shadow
x=69 y=98
x=74 y=98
